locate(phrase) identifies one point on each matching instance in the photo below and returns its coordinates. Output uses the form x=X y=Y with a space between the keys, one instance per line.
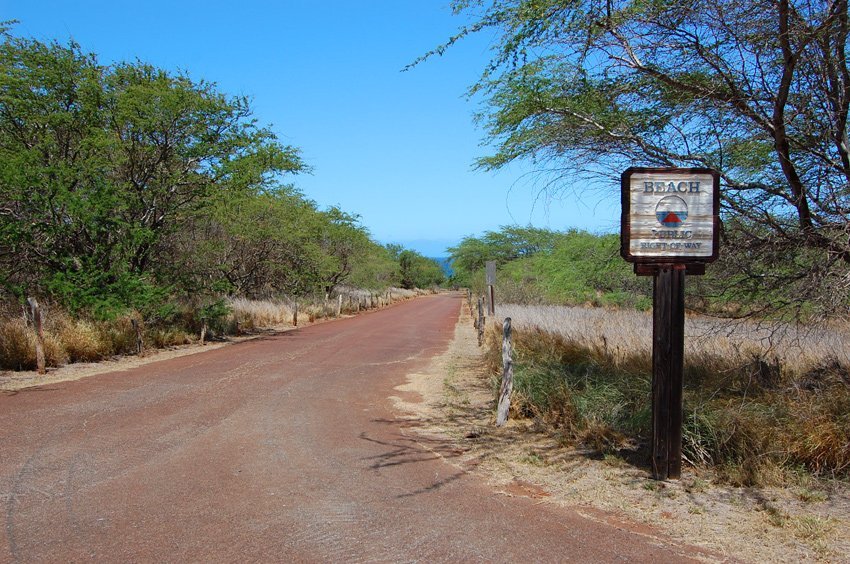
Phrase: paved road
x=283 y=448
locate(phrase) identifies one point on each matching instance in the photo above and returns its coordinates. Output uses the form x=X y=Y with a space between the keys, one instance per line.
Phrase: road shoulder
x=766 y=524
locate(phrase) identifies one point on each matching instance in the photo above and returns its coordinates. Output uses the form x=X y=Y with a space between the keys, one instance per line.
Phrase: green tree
x=377 y=269
x=344 y=242
x=418 y=271
x=99 y=164
x=758 y=90
x=248 y=244
x=509 y=243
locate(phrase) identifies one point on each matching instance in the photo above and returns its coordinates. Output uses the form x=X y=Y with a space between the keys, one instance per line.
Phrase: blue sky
x=395 y=147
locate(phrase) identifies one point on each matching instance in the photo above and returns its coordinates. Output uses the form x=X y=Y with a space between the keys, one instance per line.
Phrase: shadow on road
x=405 y=450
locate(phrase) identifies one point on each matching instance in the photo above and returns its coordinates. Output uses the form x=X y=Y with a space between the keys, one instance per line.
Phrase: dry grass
x=65 y=340
x=252 y=314
x=622 y=334
x=17 y=347
x=83 y=340
x=761 y=400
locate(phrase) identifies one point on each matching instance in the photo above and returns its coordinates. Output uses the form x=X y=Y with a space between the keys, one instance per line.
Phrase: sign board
x=670 y=215
x=491 y=272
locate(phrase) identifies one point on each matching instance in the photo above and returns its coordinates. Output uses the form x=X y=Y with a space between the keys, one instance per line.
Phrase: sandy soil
x=804 y=523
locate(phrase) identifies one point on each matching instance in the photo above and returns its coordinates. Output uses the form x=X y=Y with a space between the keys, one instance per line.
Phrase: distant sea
x=445 y=264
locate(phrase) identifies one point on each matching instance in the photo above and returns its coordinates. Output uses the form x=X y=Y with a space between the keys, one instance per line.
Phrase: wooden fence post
x=339 y=305
x=295 y=314
x=38 y=326
x=507 y=375
x=137 y=330
x=203 y=330
x=481 y=321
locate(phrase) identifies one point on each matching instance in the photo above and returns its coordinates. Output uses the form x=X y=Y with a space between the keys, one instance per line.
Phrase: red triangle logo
x=672 y=218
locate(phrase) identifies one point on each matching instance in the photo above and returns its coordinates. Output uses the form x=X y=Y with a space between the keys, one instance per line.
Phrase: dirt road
x=284 y=448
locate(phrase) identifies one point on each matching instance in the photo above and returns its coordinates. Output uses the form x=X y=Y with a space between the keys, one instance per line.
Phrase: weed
x=812 y=496
x=812 y=527
x=614 y=460
x=698 y=485
x=533 y=459
x=776 y=516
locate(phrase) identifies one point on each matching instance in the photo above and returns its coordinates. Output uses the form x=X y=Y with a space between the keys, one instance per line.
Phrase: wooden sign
x=669 y=228
x=670 y=215
x=491 y=272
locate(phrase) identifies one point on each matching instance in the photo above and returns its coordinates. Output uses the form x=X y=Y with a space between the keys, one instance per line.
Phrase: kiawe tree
x=129 y=186
x=758 y=90
x=98 y=164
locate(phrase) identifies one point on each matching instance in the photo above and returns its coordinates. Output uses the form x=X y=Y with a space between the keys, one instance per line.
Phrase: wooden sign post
x=491 y=283
x=669 y=228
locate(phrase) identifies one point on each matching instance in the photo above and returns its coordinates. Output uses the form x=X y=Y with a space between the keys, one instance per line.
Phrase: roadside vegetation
x=129 y=193
x=756 y=91
x=767 y=395
x=763 y=401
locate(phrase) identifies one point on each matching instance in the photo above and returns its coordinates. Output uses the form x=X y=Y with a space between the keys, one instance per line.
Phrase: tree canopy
x=124 y=186
x=759 y=91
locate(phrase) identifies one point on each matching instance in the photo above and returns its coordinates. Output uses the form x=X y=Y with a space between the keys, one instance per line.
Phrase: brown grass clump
x=83 y=341
x=820 y=436
x=253 y=314
x=16 y=351
x=17 y=347
x=161 y=338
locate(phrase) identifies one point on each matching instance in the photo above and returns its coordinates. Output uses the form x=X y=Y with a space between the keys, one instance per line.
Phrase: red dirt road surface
x=283 y=448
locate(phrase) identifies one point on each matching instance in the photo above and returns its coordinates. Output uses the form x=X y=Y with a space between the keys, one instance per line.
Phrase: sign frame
x=646 y=264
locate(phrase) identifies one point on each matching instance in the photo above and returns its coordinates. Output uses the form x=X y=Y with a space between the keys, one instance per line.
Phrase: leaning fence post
x=507 y=375
x=39 y=335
